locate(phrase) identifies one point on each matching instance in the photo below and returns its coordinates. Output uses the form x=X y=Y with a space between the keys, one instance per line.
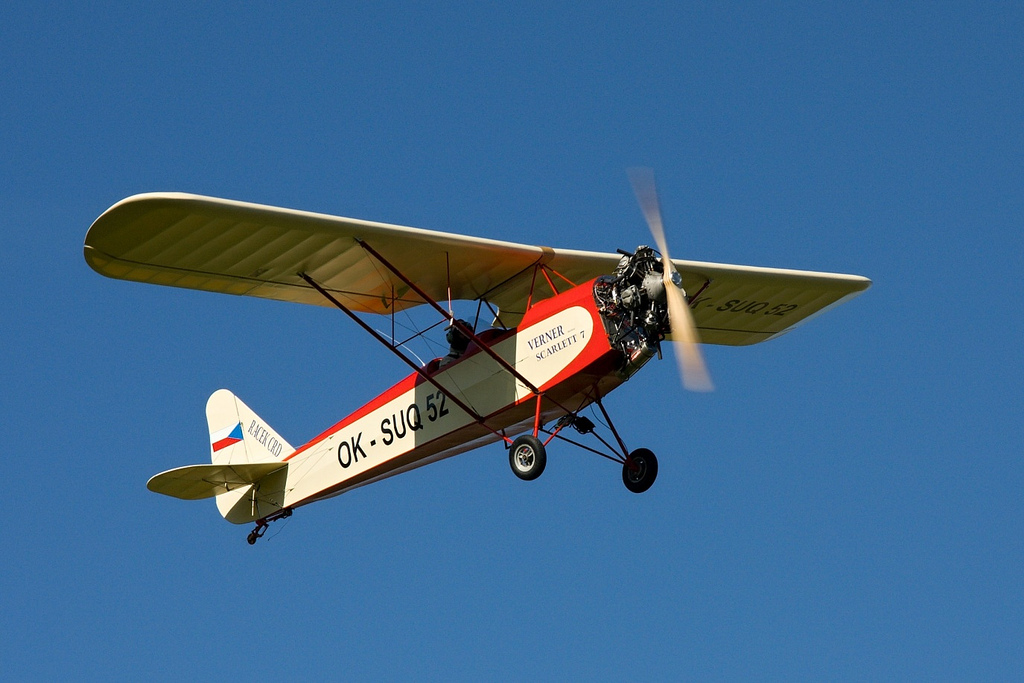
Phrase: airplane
x=568 y=328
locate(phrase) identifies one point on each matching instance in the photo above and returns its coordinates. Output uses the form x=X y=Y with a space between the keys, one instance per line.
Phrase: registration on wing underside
x=750 y=315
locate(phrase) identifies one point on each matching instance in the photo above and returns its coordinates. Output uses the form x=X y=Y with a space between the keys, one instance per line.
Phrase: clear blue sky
x=846 y=505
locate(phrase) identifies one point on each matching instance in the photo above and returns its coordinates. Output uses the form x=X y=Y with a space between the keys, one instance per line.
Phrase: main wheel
x=527 y=457
x=640 y=470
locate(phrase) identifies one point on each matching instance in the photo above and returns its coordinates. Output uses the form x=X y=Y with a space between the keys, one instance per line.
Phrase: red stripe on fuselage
x=596 y=348
x=407 y=384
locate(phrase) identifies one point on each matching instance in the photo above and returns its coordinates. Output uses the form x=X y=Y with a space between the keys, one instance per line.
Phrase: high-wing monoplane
x=568 y=328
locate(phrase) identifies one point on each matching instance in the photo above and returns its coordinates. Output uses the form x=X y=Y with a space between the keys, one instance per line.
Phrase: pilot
x=458 y=341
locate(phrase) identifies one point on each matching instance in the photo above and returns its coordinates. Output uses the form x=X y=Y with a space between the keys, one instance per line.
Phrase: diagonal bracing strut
x=379 y=337
x=458 y=325
x=483 y=346
x=508 y=367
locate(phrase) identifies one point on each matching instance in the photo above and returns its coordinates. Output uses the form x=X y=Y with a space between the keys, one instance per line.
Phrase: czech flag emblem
x=226 y=437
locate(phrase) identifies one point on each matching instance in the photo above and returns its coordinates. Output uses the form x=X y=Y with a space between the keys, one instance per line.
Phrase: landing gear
x=640 y=470
x=257 y=533
x=527 y=457
x=262 y=524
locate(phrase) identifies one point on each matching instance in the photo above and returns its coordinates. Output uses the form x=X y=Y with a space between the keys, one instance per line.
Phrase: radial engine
x=633 y=307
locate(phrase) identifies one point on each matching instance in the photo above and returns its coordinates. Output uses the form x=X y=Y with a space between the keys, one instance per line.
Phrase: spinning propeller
x=684 y=331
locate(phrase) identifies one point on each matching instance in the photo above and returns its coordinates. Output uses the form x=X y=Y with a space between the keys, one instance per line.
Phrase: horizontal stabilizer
x=194 y=482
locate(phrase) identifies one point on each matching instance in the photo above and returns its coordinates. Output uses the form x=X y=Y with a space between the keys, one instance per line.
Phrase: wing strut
x=379 y=337
x=458 y=325
x=508 y=367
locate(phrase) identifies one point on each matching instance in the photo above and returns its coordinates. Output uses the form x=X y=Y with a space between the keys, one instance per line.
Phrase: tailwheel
x=263 y=524
x=527 y=457
x=257 y=533
x=640 y=470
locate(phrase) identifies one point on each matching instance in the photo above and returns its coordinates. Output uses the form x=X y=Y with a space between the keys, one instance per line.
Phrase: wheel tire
x=640 y=471
x=527 y=457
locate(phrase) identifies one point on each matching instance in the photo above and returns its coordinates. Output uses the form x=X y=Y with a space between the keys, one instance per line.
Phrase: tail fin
x=240 y=436
x=248 y=474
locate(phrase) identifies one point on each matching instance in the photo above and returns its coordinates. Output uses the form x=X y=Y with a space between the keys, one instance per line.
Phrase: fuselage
x=560 y=347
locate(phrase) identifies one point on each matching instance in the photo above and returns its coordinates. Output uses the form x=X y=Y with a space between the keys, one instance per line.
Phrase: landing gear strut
x=262 y=524
x=639 y=468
